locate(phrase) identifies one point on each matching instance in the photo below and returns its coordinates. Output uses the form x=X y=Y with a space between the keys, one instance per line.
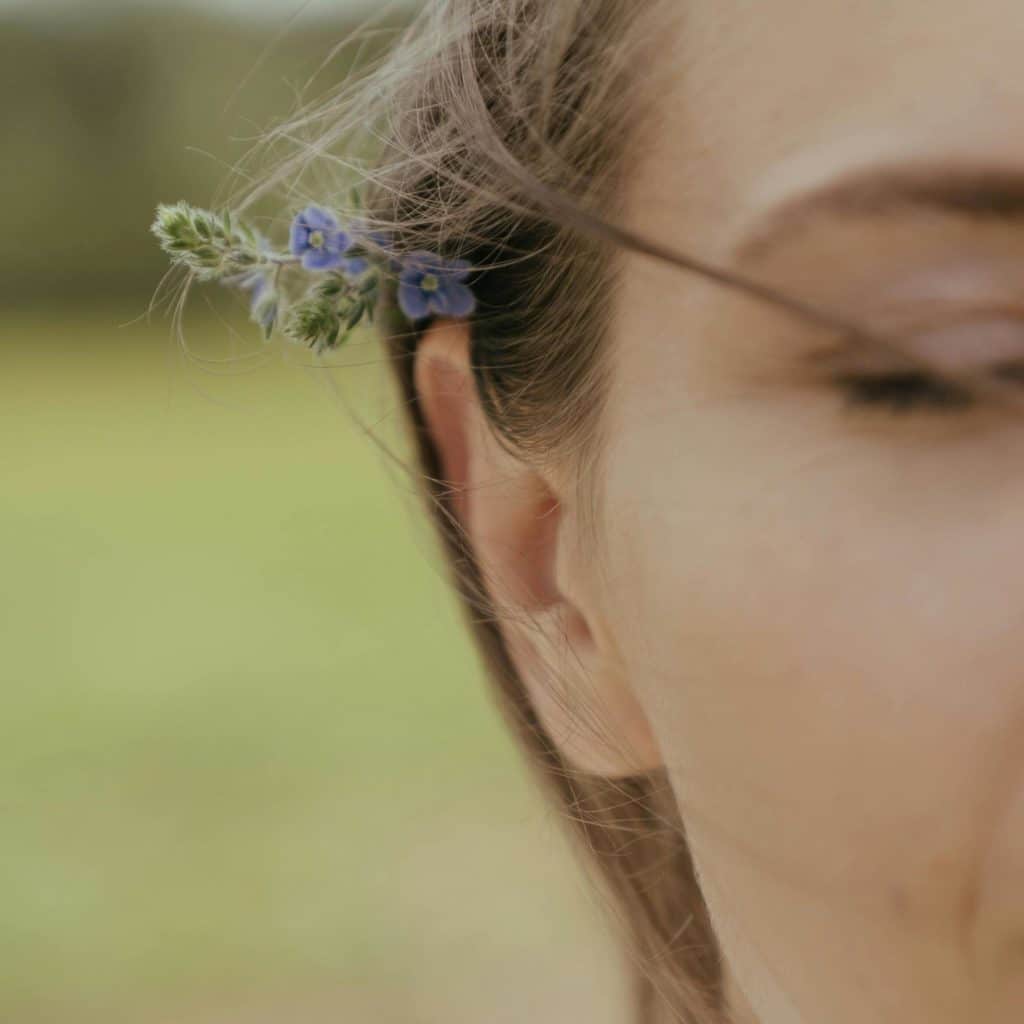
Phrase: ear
x=521 y=527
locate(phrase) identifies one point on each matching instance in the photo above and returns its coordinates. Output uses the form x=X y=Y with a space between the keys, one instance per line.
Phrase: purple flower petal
x=321 y=259
x=412 y=301
x=411 y=275
x=460 y=299
x=451 y=299
x=317 y=218
x=299 y=237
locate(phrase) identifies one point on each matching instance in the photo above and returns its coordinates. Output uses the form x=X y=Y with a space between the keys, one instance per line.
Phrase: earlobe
x=520 y=532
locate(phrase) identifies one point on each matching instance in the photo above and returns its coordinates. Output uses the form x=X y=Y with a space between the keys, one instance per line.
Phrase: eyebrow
x=966 y=191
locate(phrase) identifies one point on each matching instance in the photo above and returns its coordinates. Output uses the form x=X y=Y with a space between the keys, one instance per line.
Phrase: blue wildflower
x=318 y=239
x=428 y=284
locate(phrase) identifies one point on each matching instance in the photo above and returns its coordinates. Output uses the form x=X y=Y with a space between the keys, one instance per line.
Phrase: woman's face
x=822 y=603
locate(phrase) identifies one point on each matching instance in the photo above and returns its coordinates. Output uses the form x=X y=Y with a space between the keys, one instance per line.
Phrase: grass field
x=249 y=769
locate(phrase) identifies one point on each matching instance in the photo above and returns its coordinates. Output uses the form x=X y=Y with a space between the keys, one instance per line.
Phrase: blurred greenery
x=247 y=750
x=104 y=116
x=250 y=771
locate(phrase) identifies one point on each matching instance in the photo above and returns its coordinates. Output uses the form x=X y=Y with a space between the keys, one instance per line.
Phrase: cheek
x=828 y=640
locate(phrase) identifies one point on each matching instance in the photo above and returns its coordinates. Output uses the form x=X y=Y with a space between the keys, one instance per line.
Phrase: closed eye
x=946 y=371
x=903 y=391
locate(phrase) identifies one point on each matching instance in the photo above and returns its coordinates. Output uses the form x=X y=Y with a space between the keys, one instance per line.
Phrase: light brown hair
x=504 y=132
x=479 y=114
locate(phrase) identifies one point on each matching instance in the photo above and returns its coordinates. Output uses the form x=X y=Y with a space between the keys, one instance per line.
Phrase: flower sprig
x=347 y=260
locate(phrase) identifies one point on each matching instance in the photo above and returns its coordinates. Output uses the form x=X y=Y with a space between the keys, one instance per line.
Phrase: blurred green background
x=250 y=770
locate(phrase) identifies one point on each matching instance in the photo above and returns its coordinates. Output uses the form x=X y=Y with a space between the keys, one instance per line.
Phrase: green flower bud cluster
x=219 y=247
x=331 y=311
x=210 y=245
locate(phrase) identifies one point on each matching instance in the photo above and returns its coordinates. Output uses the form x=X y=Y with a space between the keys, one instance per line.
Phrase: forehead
x=757 y=102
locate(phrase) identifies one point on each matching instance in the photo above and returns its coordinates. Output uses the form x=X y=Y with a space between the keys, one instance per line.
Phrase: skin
x=809 y=613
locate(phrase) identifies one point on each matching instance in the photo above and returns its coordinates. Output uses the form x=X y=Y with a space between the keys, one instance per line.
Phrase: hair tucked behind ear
x=481 y=109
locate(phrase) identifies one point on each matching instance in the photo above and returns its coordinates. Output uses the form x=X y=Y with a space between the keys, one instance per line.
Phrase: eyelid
x=960 y=344
x=970 y=346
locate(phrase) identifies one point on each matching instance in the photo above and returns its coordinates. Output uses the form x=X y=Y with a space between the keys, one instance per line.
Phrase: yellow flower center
x=316 y=239
x=430 y=283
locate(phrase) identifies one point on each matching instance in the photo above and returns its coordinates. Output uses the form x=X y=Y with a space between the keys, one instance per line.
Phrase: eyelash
x=903 y=392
